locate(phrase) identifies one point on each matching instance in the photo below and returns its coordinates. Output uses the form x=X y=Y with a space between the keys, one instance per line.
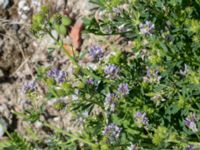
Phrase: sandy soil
x=20 y=53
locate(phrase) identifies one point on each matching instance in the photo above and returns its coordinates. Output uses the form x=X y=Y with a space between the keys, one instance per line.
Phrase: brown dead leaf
x=69 y=49
x=75 y=34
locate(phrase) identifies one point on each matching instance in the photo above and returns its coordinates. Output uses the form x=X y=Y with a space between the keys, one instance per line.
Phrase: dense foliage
x=146 y=98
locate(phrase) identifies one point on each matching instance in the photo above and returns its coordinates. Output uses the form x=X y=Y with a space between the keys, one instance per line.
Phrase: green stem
x=189 y=142
x=9 y=135
x=94 y=102
x=72 y=59
x=60 y=44
x=194 y=143
x=107 y=34
x=69 y=134
x=89 y=72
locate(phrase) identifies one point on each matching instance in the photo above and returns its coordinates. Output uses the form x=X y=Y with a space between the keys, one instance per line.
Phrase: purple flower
x=152 y=76
x=57 y=74
x=141 y=119
x=96 y=51
x=110 y=102
x=191 y=121
x=90 y=81
x=29 y=87
x=111 y=70
x=147 y=28
x=123 y=89
x=190 y=147
x=112 y=131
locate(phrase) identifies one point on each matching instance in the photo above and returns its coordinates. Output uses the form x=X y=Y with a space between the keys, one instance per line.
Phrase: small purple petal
x=112 y=131
x=141 y=119
x=111 y=70
x=57 y=74
x=152 y=76
x=147 y=28
x=29 y=87
x=96 y=51
x=90 y=81
x=110 y=102
x=191 y=122
x=190 y=147
x=123 y=89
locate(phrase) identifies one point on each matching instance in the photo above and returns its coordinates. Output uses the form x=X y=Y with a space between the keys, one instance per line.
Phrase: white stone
x=38 y=124
x=23 y=9
x=4 y=3
x=3 y=127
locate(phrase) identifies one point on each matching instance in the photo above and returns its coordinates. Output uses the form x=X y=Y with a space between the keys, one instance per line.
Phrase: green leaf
x=61 y=93
x=50 y=49
x=18 y=142
x=116 y=119
x=67 y=88
x=159 y=135
x=62 y=29
x=132 y=131
x=99 y=2
x=66 y=21
x=172 y=109
x=57 y=27
x=4 y=143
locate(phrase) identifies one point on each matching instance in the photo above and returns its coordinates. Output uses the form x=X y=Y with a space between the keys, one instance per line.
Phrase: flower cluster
x=144 y=66
x=123 y=89
x=111 y=71
x=191 y=122
x=90 y=81
x=57 y=74
x=112 y=131
x=110 y=102
x=191 y=147
x=29 y=86
x=147 y=28
x=96 y=51
x=111 y=98
x=141 y=119
x=152 y=76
